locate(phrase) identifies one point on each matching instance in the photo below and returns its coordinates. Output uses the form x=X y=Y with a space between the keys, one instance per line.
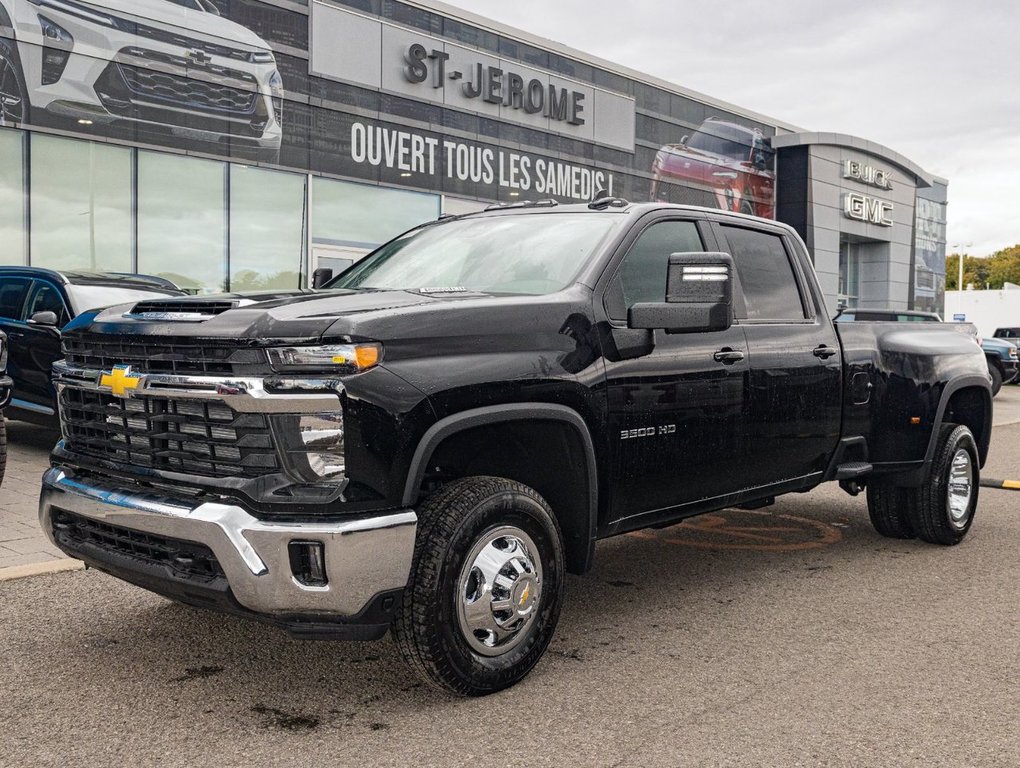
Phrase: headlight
x=261 y=57
x=276 y=82
x=79 y=10
x=1012 y=353
x=331 y=358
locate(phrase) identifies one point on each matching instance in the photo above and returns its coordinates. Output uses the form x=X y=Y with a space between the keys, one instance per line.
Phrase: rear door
x=13 y=292
x=42 y=344
x=795 y=393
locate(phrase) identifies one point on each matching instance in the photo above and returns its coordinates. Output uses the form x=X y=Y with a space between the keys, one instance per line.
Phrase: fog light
x=57 y=44
x=308 y=563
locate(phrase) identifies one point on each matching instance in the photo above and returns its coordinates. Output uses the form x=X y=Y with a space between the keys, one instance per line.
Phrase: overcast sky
x=938 y=81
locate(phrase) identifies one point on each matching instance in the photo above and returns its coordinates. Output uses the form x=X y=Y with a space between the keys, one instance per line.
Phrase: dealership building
x=241 y=144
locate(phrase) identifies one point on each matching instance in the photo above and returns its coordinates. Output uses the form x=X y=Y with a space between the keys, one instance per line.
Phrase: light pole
x=959 y=283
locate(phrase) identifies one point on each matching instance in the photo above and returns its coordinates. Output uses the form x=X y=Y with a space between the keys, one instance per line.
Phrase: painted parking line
x=40 y=569
x=1003 y=485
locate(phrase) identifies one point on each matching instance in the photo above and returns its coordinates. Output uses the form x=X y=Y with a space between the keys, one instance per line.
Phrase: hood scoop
x=183 y=310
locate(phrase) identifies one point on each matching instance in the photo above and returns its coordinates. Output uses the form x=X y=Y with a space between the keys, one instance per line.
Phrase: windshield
x=523 y=254
x=86 y=297
x=722 y=146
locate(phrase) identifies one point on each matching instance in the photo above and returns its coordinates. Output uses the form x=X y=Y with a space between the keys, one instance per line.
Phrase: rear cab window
x=12 y=296
x=766 y=276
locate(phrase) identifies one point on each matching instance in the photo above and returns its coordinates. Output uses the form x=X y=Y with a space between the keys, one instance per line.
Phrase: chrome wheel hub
x=499 y=590
x=960 y=489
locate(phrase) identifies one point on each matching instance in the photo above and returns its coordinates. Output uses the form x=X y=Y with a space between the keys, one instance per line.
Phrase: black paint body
x=619 y=428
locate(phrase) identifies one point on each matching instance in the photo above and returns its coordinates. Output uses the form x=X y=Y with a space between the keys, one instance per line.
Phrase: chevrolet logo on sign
x=120 y=381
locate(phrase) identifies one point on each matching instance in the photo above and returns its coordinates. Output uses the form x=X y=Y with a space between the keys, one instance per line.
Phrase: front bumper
x=367 y=559
x=1009 y=371
x=6 y=387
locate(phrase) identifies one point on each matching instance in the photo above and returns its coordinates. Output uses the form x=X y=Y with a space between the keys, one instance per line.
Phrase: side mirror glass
x=47 y=319
x=699 y=296
x=321 y=276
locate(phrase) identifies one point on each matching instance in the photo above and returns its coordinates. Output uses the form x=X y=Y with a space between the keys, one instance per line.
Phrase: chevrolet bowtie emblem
x=120 y=381
x=524 y=596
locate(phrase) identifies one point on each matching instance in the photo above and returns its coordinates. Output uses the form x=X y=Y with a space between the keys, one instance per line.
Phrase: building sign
x=867 y=209
x=410 y=152
x=369 y=52
x=496 y=86
x=867 y=174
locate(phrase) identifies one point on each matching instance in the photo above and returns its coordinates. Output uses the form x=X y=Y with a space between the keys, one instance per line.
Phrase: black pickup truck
x=435 y=439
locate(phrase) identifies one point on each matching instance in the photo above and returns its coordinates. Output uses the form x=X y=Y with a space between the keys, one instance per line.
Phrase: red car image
x=731 y=160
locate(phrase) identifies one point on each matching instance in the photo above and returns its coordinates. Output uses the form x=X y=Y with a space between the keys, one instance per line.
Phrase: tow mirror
x=46 y=319
x=699 y=296
x=321 y=276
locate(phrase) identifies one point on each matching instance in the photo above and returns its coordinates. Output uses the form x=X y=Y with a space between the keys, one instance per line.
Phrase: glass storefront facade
x=242 y=144
x=207 y=225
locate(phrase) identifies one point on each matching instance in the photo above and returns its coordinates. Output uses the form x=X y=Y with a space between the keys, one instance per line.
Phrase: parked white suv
x=168 y=66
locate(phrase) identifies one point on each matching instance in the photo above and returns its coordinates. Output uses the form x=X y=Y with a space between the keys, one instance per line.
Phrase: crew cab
x=35 y=303
x=432 y=441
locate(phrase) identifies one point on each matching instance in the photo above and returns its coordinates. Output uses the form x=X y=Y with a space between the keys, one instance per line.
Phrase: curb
x=40 y=569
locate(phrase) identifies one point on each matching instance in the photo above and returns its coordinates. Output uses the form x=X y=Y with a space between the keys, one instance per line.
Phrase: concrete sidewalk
x=25 y=551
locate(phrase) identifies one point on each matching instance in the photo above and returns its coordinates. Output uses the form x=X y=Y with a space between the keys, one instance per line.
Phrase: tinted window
x=46 y=298
x=643 y=272
x=766 y=275
x=12 y=296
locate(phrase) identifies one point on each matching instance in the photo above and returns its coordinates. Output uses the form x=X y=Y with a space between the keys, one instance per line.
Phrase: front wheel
x=14 y=105
x=486 y=586
x=996 y=374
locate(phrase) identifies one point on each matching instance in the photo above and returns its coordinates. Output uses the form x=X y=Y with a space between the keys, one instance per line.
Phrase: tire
x=469 y=525
x=888 y=510
x=3 y=447
x=933 y=516
x=996 y=374
x=12 y=86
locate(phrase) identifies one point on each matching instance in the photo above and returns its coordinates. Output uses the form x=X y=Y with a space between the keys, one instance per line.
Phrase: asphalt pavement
x=790 y=636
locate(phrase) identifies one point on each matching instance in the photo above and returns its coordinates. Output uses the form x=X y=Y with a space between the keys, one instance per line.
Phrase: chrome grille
x=102 y=352
x=167 y=434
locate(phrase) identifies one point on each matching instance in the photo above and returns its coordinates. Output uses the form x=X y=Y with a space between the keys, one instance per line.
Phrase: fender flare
x=954 y=386
x=497 y=414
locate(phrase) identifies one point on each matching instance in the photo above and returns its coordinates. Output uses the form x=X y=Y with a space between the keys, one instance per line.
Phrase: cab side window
x=766 y=275
x=642 y=275
x=12 y=297
x=46 y=298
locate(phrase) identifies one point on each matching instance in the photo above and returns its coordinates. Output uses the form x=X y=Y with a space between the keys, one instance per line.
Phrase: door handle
x=824 y=352
x=728 y=356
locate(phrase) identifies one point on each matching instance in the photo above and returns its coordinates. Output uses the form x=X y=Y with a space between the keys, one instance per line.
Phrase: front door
x=41 y=343
x=676 y=403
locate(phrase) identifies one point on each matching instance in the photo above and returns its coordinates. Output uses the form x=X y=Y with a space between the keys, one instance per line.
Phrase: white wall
x=988 y=310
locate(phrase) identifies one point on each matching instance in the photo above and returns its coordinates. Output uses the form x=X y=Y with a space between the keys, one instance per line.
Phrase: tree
x=987 y=272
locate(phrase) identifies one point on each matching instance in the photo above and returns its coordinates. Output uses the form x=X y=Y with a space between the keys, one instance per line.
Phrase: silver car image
x=170 y=67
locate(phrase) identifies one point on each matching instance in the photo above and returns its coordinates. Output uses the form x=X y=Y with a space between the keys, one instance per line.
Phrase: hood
x=196 y=22
x=252 y=317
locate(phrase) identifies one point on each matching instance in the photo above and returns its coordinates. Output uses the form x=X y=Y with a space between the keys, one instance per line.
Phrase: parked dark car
x=1000 y=354
x=434 y=439
x=5 y=396
x=35 y=303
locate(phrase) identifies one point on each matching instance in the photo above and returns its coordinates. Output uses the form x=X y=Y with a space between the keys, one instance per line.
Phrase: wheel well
x=971 y=407
x=546 y=455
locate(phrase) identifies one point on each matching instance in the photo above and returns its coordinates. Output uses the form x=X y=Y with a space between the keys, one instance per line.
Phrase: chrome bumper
x=364 y=557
